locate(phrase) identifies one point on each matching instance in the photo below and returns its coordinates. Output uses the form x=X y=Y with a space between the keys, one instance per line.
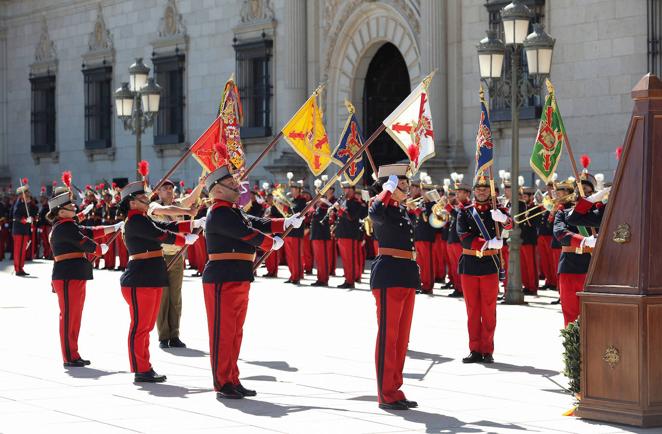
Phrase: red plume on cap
x=143 y=168
x=88 y=187
x=66 y=178
x=54 y=183
x=413 y=152
x=585 y=160
x=102 y=185
x=24 y=181
x=43 y=189
x=619 y=153
x=114 y=185
x=181 y=183
x=96 y=187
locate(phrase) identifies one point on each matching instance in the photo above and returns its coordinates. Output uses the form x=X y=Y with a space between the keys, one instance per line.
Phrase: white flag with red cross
x=410 y=125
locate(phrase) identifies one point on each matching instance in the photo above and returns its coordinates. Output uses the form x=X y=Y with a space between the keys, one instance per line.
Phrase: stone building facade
x=59 y=58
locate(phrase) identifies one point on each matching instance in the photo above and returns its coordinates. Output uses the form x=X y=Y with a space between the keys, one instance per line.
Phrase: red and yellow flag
x=206 y=148
x=231 y=115
x=306 y=135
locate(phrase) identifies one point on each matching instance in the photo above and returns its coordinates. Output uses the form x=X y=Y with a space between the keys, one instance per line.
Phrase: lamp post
x=137 y=103
x=491 y=52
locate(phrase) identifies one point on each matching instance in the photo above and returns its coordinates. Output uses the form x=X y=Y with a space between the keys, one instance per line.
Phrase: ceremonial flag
x=410 y=125
x=350 y=142
x=205 y=149
x=306 y=135
x=484 y=145
x=550 y=139
x=231 y=116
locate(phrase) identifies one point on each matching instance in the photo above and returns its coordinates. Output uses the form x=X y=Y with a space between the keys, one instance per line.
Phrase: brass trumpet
x=439 y=214
x=548 y=204
x=281 y=202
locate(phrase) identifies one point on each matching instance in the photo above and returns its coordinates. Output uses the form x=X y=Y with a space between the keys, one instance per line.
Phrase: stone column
x=4 y=138
x=433 y=55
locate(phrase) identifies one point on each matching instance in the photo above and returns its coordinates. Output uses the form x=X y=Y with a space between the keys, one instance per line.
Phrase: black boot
x=176 y=343
x=78 y=363
x=455 y=294
x=318 y=283
x=246 y=392
x=487 y=358
x=229 y=391
x=473 y=357
x=397 y=405
x=346 y=285
x=409 y=404
x=149 y=377
x=164 y=343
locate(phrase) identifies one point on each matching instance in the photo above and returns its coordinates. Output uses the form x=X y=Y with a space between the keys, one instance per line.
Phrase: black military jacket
x=230 y=230
x=392 y=229
x=347 y=220
x=142 y=234
x=546 y=226
x=299 y=204
x=568 y=235
x=320 y=227
x=529 y=229
x=586 y=213
x=454 y=211
x=471 y=238
x=423 y=230
x=69 y=237
x=21 y=226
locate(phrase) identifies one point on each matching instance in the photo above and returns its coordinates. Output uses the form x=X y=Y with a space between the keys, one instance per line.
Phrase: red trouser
x=122 y=253
x=4 y=241
x=360 y=245
x=226 y=305
x=144 y=305
x=272 y=262
x=323 y=251
x=528 y=266
x=547 y=265
x=425 y=261
x=395 y=309
x=480 y=297
x=349 y=253
x=71 y=298
x=440 y=258
x=200 y=253
x=454 y=253
x=556 y=258
x=569 y=286
x=334 y=256
x=294 y=254
x=45 y=242
x=20 y=247
x=308 y=254
x=505 y=253
x=109 y=257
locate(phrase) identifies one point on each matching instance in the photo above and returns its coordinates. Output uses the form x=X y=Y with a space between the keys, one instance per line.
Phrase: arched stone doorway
x=386 y=85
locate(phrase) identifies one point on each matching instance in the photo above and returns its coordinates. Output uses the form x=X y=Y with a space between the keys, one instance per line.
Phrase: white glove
x=190 y=239
x=598 y=196
x=118 y=226
x=199 y=223
x=498 y=216
x=589 y=241
x=495 y=243
x=391 y=184
x=88 y=208
x=28 y=220
x=295 y=221
x=104 y=248
x=278 y=243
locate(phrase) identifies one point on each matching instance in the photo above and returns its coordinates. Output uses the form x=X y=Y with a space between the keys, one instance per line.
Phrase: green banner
x=549 y=141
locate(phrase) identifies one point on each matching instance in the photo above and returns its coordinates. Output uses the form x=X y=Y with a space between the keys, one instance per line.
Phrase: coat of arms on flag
x=550 y=139
x=350 y=142
x=410 y=125
x=306 y=135
x=230 y=114
x=484 y=144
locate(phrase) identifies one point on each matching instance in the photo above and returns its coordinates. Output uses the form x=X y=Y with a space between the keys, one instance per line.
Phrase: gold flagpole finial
x=231 y=77
x=319 y=89
x=481 y=92
x=550 y=88
x=350 y=107
x=428 y=78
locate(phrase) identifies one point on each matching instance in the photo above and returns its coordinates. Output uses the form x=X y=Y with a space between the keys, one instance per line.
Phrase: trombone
x=547 y=204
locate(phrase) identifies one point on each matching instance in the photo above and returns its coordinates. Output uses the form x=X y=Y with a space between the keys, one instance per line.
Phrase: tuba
x=439 y=215
x=367 y=226
x=281 y=202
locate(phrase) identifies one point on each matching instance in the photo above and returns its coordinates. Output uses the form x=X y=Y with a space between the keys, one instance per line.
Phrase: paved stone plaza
x=308 y=352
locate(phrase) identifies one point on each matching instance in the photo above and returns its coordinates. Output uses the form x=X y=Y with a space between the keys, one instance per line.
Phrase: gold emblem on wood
x=611 y=356
x=622 y=234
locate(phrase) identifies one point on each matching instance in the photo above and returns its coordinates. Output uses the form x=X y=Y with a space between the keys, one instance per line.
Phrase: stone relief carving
x=171 y=24
x=100 y=38
x=45 y=51
x=330 y=8
x=253 y=11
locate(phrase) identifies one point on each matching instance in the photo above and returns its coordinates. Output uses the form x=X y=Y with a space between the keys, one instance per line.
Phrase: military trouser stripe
x=65 y=292
x=134 y=330
x=217 y=327
x=382 y=342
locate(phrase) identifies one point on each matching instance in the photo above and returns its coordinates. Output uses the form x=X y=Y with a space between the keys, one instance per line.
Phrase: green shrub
x=571 y=355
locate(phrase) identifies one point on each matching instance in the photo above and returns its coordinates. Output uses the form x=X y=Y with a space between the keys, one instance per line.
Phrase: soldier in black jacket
x=320 y=237
x=272 y=262
x=232 y=239
x=453 y=244
x=479 y=269
x=424 y=235
x=24 y=215
x=146 y=274
x=294 y=240
x=44 y=228
x=529 y=234
x=394 y=280
x=71 y=269
x=347 y=232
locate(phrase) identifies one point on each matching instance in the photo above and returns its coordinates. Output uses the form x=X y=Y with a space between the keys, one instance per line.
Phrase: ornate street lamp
x=137 y=102
x=539 y=47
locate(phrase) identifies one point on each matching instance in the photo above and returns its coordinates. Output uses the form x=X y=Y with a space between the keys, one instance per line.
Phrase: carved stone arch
x=369 y=27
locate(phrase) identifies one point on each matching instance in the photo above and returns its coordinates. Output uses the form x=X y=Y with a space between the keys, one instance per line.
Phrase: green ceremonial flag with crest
x=550 y=139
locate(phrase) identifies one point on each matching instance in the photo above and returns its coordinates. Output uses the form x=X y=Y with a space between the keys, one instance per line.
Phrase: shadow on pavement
x=504 y=367
x=186 y=352
x=277 y=365
x=434 y=359
x=261 y=378
x=89 y=373
x=268 y=409
x=438 y=423
x=169 y=391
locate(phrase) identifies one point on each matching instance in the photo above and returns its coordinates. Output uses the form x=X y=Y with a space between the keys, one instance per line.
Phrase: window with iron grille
x=98 y=107
x=254 y=83
x=500 y=103
x=169 y=74
x=42 y=116
x=654 y=36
